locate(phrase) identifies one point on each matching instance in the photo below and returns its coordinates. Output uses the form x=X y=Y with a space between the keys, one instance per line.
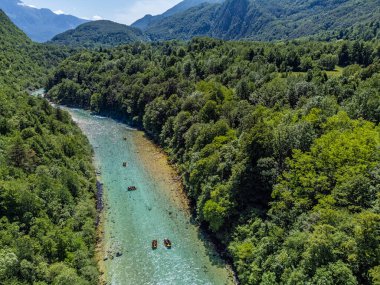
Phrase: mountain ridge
x=147 y=20
x=265 y=20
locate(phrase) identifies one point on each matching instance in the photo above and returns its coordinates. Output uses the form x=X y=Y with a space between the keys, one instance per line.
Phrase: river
x=132 y=219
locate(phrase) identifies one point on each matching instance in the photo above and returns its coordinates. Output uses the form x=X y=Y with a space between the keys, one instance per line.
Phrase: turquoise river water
x=134 y=218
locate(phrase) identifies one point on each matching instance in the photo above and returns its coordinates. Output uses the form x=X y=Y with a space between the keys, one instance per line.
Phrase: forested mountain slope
x=367 y=31
x=239 y=19
x=47 y=182
x=149 y=20
x=23 y=64
x=278 y=147
x=99 y=33
x=265 y=19
x=39 y=24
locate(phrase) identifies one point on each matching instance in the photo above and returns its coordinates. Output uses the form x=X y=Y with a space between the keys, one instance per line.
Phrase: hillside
x=30 y=63
x=265 y=20
x=276 y=145
x=367 y=31
x=47 y=181
x=99 y=33
x=39 y=24
x=238 y=19
x=194 y=22
x=149 y=20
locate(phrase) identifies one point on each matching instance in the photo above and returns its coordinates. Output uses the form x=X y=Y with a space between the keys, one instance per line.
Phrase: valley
x=236 y=135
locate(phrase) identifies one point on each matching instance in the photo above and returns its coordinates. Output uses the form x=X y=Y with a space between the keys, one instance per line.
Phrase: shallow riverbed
x=132 y=219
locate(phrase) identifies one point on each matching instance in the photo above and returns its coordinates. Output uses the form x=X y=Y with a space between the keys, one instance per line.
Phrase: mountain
x=149 y=20
x=99 y=33
x=39 y=24
x=196 y=21
x=264 y=19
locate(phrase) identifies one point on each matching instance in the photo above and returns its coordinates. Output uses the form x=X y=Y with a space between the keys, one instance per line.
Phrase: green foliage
x=99 y=34
x=270 y=20
x=328 y=61
x=43 y=189
x=281 y=164
x=47 y=182
x=22 y=59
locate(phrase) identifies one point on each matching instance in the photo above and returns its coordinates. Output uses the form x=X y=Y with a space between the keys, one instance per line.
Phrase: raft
x=132 y=188
x=124 y=164
x=167 y=243
x=154 y=244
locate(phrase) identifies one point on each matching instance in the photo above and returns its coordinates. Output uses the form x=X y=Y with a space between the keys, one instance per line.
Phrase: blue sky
x=122 y=11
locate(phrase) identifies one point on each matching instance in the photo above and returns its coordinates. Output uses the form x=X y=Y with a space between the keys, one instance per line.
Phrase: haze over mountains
x=39 y=24
x=108 y=33
x=263 y=20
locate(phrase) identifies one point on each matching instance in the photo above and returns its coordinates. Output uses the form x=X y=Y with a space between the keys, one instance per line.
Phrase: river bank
x=156 y=160
x=100 y=243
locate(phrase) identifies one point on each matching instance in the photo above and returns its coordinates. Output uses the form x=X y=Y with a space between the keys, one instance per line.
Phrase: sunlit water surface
x=134 y=219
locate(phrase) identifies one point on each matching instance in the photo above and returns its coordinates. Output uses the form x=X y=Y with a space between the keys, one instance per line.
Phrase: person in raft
x=167 y=243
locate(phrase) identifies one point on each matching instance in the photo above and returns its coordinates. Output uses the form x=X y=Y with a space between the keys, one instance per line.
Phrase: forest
x=267 y=20
x=277 y=144
x=47 y=181
x=99 y=34
x=262 y=20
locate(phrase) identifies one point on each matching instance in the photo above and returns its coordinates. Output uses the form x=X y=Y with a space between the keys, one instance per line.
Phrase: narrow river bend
x=134 y=218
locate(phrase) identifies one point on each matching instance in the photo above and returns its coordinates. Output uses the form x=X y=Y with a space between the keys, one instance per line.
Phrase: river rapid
x=132 y=219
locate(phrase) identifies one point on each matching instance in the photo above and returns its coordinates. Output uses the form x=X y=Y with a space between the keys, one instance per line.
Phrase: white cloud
x=59 y=12
x=143 y=7
x=97 y=18
x=26 y=5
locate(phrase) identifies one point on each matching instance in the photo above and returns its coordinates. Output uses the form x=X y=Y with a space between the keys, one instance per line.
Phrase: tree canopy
x=277 y=144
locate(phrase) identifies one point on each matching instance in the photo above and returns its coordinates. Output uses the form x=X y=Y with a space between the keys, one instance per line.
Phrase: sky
x=121 y=11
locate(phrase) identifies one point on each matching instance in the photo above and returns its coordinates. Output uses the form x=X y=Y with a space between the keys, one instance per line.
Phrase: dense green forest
x=368 y=31
x=23 y=64
x=149 y=20
x=99 y=34
x=265 y=20
x=47 y=181
x=277 y=144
